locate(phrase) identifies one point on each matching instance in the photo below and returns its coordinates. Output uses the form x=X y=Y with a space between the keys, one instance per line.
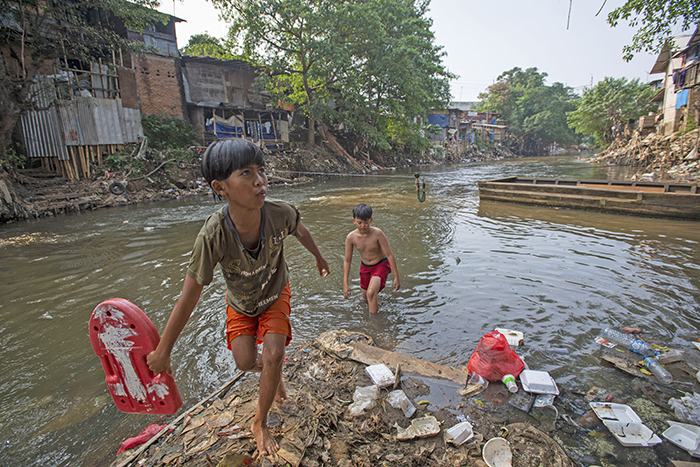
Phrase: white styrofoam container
x=538 y=382
x=460 y=433
x=380 y=374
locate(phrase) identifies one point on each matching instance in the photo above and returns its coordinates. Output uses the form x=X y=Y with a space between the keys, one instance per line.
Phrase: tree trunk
x=335 y=146
x=312 y=131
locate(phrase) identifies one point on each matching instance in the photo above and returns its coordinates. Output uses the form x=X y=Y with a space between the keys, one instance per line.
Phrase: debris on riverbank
x=658 y=156
x=27 y=194
x=321 y=425
x=316 y=428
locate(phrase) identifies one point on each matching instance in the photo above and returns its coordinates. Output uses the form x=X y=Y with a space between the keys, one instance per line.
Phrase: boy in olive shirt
x=246 y=237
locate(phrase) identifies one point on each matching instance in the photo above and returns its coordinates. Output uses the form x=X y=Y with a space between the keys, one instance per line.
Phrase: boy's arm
x=159 y=359
x=306 y=239
x=384 y=244
x=346 y=265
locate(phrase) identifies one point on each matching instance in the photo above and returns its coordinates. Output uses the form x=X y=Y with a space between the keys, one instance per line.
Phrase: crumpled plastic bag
x=493 y=358
x=687 y=408
x=364 y=398
x=149 y=432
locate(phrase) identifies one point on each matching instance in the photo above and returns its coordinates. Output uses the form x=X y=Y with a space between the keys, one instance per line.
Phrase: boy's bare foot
x=267 y=445
x=281 y=397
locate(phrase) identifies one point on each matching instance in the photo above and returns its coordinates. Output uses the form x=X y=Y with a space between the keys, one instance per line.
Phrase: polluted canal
x=559 y=277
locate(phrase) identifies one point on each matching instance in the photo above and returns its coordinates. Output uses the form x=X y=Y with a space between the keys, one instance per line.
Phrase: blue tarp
x=682 y=98
x=443 y=121
x=225 y=131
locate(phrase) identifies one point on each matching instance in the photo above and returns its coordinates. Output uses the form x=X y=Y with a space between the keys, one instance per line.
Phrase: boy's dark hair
x=223 y=157
x=362 y=212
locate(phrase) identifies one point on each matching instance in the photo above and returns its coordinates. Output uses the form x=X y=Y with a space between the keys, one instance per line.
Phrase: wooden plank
x=370 y=355
x=683 y=464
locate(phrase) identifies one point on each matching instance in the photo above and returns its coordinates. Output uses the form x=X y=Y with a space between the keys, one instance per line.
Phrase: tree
x=655 y=19
x=534 y=112
x=35 y=33
x=358 y=63
x=609 y=103
x=204 y=44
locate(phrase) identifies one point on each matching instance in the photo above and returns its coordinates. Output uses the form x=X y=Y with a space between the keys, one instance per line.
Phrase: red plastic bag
x=149 y=432
x=493 y=358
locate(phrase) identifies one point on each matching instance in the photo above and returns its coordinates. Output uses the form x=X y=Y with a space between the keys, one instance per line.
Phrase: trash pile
x=354 y=404
x=675 y=155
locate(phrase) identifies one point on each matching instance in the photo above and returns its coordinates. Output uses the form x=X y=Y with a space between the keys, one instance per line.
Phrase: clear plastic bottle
x=659 y=371
x=509 y=381
x=630 y=342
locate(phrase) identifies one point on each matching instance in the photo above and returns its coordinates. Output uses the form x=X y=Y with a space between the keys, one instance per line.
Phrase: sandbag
x=493 y=358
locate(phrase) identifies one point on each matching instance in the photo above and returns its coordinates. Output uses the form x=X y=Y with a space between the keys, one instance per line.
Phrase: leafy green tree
x=34 y=33
x=609 y=103
x=367 y=64
x=655 y=20
x=168 y=132
x=536 y=114
x=209 y=46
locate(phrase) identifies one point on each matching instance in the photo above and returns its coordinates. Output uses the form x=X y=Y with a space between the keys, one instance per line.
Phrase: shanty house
x=221 y=103
x=668 y=62
x=85 y=110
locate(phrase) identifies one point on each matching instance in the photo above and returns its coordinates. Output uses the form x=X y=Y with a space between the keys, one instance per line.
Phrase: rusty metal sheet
x=42 y=134
x=130 y=120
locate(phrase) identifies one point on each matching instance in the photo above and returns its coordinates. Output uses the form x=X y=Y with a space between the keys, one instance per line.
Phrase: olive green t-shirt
x=254 y=279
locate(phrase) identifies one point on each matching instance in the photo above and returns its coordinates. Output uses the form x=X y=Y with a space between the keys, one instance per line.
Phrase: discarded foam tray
x=419 y=428
x=624 y=424
x=538 y=382
x=685 y=436
x=380 y=374
x=460 y=433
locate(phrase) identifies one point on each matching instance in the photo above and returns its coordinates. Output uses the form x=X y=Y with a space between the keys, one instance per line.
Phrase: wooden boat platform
x=639 y=198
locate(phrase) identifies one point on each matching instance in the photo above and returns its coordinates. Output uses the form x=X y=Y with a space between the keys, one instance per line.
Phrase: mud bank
x=29 y=194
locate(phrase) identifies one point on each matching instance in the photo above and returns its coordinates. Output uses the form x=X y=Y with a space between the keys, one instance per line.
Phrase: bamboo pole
x=75 y=165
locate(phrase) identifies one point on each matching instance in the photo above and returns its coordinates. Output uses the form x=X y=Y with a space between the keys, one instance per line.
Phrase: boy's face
x=362 y=225
x=245 y=187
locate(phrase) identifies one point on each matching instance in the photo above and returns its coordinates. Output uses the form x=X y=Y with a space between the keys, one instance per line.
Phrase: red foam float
x=122 y=336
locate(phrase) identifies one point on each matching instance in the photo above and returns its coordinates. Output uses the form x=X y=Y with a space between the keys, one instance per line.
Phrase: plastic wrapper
x=398 y=400
x=364 y=398
x=687 y=408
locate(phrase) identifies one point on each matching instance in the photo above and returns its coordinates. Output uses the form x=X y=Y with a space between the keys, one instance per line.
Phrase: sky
x=483 y=39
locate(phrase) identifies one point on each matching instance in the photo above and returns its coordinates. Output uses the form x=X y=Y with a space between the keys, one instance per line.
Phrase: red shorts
x=274 y=320
x=381 y=270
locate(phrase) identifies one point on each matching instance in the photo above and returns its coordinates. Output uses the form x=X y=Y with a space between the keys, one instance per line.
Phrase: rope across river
x=420 y=184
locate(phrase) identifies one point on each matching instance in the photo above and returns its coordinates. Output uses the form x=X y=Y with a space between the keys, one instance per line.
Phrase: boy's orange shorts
x=274 y=320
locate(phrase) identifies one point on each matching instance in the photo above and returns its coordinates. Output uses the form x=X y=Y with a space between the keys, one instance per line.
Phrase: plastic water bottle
x=632 y=343
x=509 y=381
x=659 y=371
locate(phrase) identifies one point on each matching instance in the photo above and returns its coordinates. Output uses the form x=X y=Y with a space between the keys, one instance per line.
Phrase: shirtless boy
x=377 y=260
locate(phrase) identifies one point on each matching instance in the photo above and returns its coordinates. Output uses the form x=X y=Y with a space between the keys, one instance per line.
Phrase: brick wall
x=158 y=86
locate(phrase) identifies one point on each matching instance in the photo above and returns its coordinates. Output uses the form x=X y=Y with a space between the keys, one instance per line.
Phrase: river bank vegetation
x=361 y=78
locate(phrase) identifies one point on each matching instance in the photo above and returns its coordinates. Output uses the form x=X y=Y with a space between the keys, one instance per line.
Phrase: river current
x=466 y=267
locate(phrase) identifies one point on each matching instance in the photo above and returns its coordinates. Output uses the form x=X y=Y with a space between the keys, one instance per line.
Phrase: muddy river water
x=466 y=267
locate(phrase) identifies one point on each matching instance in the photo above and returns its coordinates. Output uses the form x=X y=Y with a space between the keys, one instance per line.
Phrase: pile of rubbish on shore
x=675 y=155
x=354 y=404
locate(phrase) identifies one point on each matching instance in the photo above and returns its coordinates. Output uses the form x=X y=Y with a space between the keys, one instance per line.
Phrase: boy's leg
x=270 y=381
x=375 y=285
